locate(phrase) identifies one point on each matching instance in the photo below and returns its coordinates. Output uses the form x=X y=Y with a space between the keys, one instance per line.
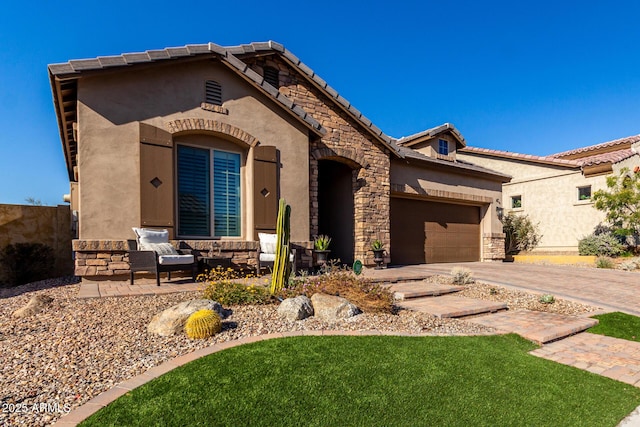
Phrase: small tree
x=521 y=233
x=621 y=202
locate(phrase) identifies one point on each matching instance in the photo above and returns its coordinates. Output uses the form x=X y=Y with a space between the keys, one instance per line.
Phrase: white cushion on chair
x=272 y=257
x=160 y=248
x=268 y=243
x=146 y=235
x=175 y=259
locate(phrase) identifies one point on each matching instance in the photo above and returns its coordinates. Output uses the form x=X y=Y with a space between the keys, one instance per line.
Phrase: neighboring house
x=555 y=191
x=203 y=140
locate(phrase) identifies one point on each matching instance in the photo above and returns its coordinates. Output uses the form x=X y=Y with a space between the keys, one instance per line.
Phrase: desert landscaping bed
x=78 y=348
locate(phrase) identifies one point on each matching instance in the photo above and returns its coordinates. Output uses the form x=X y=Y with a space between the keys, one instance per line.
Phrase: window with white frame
x=584 y=193
x=209 y=203
x=443 y=147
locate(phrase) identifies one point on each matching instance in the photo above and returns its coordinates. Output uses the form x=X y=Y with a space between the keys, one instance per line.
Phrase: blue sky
x=532 y=77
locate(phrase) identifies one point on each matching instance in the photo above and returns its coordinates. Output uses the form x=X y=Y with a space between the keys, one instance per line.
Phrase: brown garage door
x=432 y=232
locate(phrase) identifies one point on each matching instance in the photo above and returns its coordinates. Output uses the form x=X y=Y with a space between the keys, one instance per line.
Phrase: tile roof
x=73 y=68
x=612 y=157
x=410 y=153
x=406 y=140
x=605 y=145
x=231 y=56
x=524 y=157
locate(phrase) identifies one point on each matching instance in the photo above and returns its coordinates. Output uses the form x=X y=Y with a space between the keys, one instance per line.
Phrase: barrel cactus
x=203 y=324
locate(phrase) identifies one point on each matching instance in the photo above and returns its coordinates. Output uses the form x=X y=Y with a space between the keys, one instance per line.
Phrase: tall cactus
x=282 y=265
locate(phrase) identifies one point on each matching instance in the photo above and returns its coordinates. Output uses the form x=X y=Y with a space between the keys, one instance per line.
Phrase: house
x=203 y=140
x=555 y=191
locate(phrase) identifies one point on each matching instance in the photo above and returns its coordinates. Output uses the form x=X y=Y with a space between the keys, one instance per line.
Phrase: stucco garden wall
x=50 y=225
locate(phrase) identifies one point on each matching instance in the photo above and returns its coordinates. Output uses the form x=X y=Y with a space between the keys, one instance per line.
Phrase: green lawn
x=375 y=381
x=617 y=325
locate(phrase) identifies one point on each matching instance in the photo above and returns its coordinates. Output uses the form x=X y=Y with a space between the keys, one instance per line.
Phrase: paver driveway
x=614 y=290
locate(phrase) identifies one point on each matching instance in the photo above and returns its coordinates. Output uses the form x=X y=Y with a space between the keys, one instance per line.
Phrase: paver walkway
x=536 y=326
x=606 y=356
x=615 y=290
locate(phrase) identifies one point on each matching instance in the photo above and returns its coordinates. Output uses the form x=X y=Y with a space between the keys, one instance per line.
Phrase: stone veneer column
x=347 y=141
x=493 y=247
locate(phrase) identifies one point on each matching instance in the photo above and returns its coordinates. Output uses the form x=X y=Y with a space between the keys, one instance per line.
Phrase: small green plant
x=461 y=276
x=377 y=245
x=604 y=262
x=203 y=324
x=603 y=244
x=493 y=291
x=321 y=242
x=630 y=265
x=547 y=299
x=225 y=287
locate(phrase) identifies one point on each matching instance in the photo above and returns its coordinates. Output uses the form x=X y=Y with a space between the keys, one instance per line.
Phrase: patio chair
x=155 y=255
x=267 y=252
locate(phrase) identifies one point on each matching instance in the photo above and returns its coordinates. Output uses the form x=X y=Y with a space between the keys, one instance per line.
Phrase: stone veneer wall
x=104 y=259
x=493 y=247
x=345 y=141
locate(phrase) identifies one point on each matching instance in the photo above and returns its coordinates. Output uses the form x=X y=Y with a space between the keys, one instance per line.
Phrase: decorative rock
x=332 y=308
x=172 y=320
x=297 y=308
x=34 y=306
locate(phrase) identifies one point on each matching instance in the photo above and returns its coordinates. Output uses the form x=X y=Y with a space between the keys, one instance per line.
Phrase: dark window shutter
x=156 y=178
x=265 y=189
x=213 y=92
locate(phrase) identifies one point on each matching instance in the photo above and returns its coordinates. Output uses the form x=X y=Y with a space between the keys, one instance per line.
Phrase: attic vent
x=213 y=93
x=272 y=76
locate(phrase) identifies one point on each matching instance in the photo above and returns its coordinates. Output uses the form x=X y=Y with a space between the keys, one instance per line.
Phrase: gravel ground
x=78 y=348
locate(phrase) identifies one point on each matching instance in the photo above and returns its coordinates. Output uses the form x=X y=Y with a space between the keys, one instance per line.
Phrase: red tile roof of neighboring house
x=612 y=157
x=609 y=145
x=525 y=157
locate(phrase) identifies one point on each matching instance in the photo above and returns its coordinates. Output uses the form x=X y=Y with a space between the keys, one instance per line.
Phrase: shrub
x=26 y=262
x=368 y=296
x=629 y=266
x=605 y=244
x=203 y=324
x=461 y=276
x=547 y=299
x=604 y=262
x=226 y=287
x=521 y=233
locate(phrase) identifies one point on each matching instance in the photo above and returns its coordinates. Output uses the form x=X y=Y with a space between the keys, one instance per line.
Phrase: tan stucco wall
x=49 y=225
x=110 y=108
x=431 y=146
x=550 y=198
x=461 y=188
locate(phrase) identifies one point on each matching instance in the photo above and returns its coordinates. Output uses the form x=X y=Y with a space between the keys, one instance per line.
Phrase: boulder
x=172 y=320
x=297 y=308
x=332 y=308
x=34 y=306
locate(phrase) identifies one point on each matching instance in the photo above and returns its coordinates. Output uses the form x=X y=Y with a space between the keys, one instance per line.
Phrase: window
x=516 y=202
x=443 y=147
x=213 y=92
x=272 y=76
x=584 y=193
x=208 y=182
